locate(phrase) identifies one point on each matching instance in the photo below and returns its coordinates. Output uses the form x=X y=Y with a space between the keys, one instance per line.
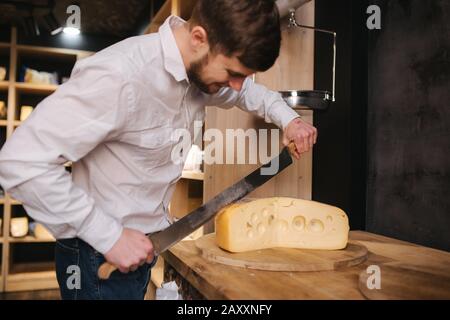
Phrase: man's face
x=215 y=71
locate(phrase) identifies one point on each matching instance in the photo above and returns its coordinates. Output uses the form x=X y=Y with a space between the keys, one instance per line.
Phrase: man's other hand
x=132 y=250
x=302 y=134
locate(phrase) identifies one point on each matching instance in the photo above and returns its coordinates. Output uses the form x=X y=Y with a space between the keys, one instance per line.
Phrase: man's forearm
x=51 y=197
x=266 y=103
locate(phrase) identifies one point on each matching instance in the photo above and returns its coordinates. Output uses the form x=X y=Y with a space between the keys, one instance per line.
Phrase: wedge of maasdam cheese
x=281 y=222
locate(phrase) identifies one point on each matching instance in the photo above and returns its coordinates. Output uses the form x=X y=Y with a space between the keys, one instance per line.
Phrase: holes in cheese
x=316 y=225
x=281 y=222
x=299 y=223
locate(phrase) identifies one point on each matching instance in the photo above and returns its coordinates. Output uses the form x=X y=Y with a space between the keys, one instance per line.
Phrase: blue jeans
x=77 y=264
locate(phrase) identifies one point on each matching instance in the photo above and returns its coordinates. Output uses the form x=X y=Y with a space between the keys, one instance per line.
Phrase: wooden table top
x=217 y=281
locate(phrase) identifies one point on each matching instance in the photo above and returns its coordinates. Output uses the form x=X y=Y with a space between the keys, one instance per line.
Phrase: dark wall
x=339 y=157
x=409 y=123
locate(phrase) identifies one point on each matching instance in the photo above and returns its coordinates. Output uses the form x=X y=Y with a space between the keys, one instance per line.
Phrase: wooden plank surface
x=217 y=281
x=193 y=175
x=35 y=88
x=31 y=281
x=54 y=52
x=397 y=279
x=30 y=239
x=283 y=259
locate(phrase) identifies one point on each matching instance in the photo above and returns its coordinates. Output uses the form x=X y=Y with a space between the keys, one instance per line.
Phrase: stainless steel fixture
x=314 y=99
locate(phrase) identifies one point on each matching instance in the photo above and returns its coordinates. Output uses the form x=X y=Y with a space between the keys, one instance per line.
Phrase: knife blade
x=165 y=239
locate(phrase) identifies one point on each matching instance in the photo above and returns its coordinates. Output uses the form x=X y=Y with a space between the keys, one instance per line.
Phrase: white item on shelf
x=194 y=159
x=3 y=110
x=168 y=291
x=39 y=231
x=19 y=227
x=2 y=73
x=40 y=77
x=25 y=112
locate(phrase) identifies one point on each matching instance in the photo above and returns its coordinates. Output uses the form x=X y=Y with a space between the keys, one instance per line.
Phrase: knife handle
x=105 y=270
x=292 y=148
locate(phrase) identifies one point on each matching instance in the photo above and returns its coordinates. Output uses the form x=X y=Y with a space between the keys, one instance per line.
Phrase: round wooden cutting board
x=397 y=279
x=284 y=259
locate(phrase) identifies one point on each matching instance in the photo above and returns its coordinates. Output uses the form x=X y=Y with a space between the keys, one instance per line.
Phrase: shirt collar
x=173 y=62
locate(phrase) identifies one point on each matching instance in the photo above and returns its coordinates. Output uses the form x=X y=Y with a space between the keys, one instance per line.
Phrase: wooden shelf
x=193 y=175
x=4 y=85
x=35 y=88
x=55 y=52
x=31 y=281
x=29 y=239
x=163 y=13
x=31 y=276
x=31 y=268
x=159 y=17
x=182 y=8
x=15 y=202
x=185 y=8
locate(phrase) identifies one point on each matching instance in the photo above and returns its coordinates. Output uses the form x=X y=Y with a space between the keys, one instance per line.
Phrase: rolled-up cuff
x=100 y=231
x=282 y=115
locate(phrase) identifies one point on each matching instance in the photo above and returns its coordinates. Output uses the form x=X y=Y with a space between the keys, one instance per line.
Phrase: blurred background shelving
x=27 y=263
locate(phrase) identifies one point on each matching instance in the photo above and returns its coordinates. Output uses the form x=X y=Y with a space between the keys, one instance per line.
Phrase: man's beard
x=194 y=74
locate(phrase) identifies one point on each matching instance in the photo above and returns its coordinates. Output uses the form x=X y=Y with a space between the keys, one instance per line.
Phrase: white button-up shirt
x=114 y=119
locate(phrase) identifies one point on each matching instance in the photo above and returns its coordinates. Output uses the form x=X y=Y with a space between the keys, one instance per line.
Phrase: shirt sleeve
x=258 y=100
x=88 y=109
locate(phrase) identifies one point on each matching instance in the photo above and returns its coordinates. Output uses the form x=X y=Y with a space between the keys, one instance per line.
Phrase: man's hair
x=248 y=28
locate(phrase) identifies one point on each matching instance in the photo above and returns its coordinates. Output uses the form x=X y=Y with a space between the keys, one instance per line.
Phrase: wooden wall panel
x=293 y=70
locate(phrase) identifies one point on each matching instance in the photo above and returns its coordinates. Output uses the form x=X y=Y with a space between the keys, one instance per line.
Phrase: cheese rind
x=281 y=222
x=19 y=227
x=39 y=231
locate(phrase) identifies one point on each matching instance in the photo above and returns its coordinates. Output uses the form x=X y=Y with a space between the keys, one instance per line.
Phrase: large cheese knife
x=165 y=239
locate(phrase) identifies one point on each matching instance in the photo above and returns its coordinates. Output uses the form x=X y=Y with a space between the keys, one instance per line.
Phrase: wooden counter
x=201 y=279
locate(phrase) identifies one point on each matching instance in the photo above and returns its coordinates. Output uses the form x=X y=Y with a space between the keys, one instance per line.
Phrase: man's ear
x=199 y=39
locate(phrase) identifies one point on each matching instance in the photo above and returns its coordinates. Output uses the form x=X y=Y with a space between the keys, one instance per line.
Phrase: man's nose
x=237 y=83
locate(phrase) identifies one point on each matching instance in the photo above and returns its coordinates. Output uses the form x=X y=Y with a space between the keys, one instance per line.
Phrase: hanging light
x=71 y=31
